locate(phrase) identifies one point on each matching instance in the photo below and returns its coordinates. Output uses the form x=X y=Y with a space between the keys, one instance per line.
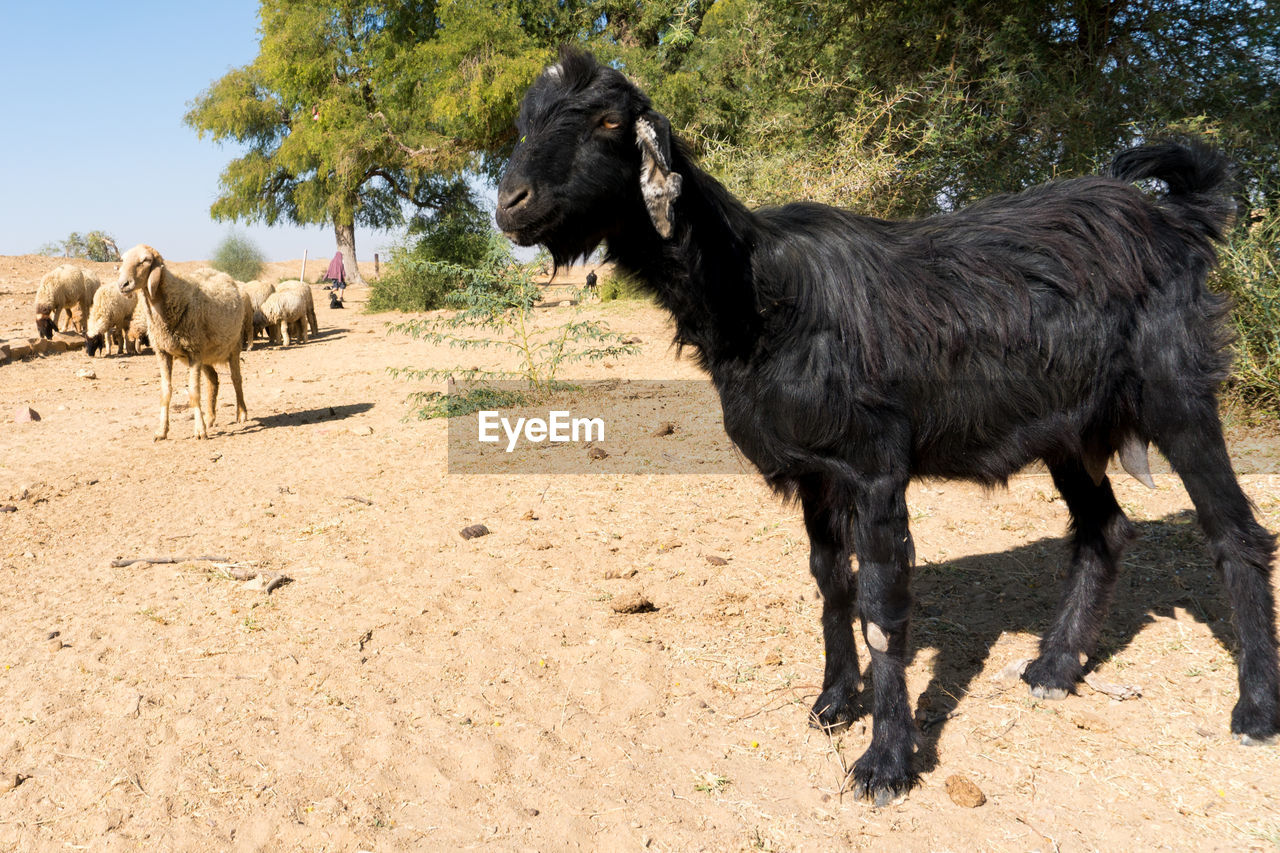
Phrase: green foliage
x=238 y=257
x=618 y=286
x=354 y=109
x=424 y=267
x=94 y=246
x=1248 y=270
x=496 y=314
x=900 y=109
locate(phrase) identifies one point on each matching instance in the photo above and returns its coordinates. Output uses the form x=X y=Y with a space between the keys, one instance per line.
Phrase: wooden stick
x=120 y=564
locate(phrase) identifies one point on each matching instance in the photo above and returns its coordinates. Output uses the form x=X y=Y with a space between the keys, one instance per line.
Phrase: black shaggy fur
x=851 y=354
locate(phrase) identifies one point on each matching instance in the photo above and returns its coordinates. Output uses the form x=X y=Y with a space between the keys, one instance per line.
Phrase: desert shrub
x=427 y=264
x=238 y=257
x=94 y=246
x=495 y=304
x=616 y=285
x=1247 y=271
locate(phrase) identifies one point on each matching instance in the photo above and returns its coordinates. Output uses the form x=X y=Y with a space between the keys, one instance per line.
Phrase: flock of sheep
x=203 y=318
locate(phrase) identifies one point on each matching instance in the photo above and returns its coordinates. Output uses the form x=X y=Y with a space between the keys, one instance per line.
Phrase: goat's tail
x=1196 y=174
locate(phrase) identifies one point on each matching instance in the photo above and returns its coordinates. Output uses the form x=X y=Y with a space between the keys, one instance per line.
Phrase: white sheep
x=305 y=289
x=257 y=291
x=136 y=333
x=109 y=318
x=198 y=319
x=246 y=317
x=284 y=308
x=63 y=288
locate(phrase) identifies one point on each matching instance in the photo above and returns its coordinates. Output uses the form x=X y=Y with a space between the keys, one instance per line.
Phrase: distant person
x=336 y=276
x=591 y=280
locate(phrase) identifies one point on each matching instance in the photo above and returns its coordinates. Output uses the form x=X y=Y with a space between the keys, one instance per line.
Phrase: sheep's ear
x=154 y=279
x=660 y=185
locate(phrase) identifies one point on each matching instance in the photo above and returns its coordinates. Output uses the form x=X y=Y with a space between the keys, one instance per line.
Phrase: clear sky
x=91 y=132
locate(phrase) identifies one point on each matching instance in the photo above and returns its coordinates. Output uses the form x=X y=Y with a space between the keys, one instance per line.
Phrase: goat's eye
x=610 y=123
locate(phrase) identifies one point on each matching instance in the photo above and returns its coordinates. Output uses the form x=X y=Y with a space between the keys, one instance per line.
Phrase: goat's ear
x=660 y=185
x=154 y=279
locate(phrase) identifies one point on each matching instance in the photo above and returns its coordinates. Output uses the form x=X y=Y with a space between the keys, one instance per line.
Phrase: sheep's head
x=94 y=343
x=44 y=323
x=593 y=159
x=141 y=268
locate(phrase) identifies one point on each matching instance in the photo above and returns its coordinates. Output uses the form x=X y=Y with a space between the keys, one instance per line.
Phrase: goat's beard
x=564 y=249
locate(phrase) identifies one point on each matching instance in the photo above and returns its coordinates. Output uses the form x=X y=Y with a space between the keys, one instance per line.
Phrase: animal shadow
x=322 y=414
x=962 y=606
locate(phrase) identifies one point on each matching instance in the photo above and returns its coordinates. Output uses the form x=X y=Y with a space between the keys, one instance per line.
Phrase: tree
x=354 y=110
x=922 y=105
x=94 y=246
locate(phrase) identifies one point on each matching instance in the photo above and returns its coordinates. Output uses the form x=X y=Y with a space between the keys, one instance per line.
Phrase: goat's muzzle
x=514 y=199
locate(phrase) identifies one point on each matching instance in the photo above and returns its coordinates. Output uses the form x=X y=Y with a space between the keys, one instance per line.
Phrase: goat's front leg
x=885 y=556
x=194 y=369
x=166 y=392
x=827 y=517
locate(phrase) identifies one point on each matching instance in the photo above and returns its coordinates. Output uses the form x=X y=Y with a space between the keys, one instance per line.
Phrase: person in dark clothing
x=336 y=276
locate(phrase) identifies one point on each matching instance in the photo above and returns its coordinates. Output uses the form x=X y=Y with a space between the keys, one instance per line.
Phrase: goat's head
x=593 y=159
x=141 y=268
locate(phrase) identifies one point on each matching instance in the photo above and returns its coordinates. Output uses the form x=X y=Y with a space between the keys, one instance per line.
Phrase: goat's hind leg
x=828 y=520
x=1242 y=551
x=1100 y=532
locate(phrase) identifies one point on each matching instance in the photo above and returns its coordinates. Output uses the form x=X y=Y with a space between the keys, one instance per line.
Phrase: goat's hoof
x=882 y=779
x=1250 y=740
x=1254 y=726
x=834 y=710
x=1052 y=678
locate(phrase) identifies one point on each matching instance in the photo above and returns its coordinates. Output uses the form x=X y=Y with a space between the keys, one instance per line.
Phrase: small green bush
x=619 y=286
x=1247 y=270
x=238 y=257
x=425 y=267
x=495 y=306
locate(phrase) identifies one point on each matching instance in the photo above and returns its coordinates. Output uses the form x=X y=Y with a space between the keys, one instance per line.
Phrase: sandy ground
x=411 y=690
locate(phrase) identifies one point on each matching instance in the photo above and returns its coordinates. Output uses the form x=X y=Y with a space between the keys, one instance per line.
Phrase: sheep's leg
x=1242 y=551
x=166 y=392
x=885 y=553
x=828 y=521
x=284 y=331
x=211 y=395
x=194 y=370
x=233 y=364
x=1101 y=532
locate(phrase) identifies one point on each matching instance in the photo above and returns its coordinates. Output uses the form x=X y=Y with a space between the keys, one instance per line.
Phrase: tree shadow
x=963 y=606
x=322 y=414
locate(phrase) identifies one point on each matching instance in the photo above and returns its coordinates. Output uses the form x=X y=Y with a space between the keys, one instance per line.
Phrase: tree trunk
x=346 y=239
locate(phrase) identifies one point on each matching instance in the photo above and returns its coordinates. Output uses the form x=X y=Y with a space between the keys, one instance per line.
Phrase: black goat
x=1064 y=323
